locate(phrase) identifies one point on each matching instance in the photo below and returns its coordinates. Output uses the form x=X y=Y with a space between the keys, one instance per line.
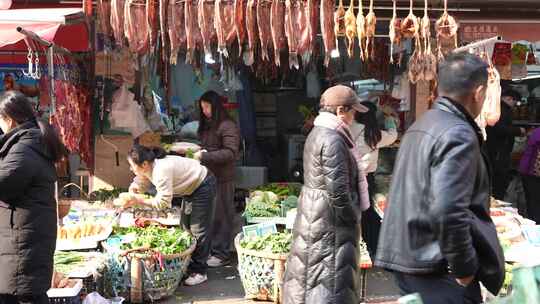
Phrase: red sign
x=473 y=31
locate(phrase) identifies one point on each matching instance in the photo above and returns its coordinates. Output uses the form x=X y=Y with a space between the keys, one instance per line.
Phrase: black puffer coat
x=322 y=265
x=27 y=213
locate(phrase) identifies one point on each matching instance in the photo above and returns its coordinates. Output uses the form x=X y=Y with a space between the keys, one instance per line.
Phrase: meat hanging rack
x=51 y=49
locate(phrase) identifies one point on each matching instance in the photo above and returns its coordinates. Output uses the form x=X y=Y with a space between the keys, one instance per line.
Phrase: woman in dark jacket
x=29 y=149
x=220 y=140
x=323 y=263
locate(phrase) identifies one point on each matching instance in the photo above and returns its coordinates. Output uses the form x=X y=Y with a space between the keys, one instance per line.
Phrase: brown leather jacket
x=222 y=144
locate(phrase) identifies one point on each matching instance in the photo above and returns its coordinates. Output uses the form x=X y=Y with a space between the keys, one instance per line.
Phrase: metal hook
x=29 y=57
x=37 y=72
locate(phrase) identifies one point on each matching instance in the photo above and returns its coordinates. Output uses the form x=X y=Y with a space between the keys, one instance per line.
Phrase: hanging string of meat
x=205 y=12
x=104 y=17
x=425 y=27
x=309 y=30
x=163 y=27
x=240 y=8
x=327 y=29
x=339 y=22
x=416 y=66
x=294 y=16
x=264 y=25
x=371 y=23
x=224 y=25
x=446 y=28
x=152 y=22
x=361 y=29
x=137 y=35
x=395 y=31
x=430 y=64
x=492 y=104
x=117 y=21
x=350 y=29
x=410 y=25
x=193 y=32
x=252 y=31
x=177 y=29
x=277 y=22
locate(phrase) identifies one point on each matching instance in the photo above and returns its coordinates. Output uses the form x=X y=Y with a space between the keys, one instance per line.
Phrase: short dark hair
x=461 y=73
x=139 y=154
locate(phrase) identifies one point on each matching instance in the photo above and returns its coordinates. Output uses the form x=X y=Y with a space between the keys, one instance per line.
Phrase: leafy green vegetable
x=66 y=261
x=164 y=240
x=281 y=189
x=190 y=153
x=274 y=243
x=103 y=195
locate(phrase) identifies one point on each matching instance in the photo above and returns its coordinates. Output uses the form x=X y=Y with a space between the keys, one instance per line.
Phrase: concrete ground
x=224 y=287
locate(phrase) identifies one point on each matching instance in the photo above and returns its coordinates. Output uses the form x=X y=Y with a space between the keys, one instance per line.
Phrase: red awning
x=10 y=37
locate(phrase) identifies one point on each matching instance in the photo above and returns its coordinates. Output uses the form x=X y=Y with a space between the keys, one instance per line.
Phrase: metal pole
x=50 y=59
x=478 y=44
x=43 y=42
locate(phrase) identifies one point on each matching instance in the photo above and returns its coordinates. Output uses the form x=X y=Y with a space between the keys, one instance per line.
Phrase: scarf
x=331 y=121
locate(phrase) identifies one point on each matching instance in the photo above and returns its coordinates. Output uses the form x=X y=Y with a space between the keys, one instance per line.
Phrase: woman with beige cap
x=322 y=265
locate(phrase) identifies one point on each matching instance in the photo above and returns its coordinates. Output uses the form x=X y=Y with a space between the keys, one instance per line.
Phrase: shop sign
x=477 y=30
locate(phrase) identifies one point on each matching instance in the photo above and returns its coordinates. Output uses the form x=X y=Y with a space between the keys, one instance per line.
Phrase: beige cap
x=341 y=95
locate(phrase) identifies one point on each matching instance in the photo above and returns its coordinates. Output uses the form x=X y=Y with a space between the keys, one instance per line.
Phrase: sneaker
x=196 y=279
x=214 y=262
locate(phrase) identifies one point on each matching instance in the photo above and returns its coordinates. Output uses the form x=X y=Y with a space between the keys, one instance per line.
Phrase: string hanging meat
x=277 y=21
x=394 y=33
x=176 y=28
x=193 y=33
x=117 y=21
x=430 y=64
x=425 y=27
x=309 y=29
x=265 y=29
x=240 y=8
x=205 y=13
x=416 y=66
x=339 y=21
x=294 y=17
x=224 y=25
x=152 y=21
x=371 y=23
x=361 y=28
x=492 y=104
x=350 y=29
x=327 y=29
x=104 y=11
x=137 y=35
x=252 y=33
x=410 y=25
x=446 y=28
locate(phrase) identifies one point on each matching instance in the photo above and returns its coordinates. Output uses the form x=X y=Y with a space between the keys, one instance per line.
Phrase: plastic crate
x=66 y=295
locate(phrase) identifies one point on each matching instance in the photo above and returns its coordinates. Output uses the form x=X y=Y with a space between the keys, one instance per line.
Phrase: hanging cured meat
x=492 y=104
x=350 y=29
x=371 y=23
x=446 y=28
x=277 y=22
x=395 y=32
x=136 y=26
x=240 y=8
x=410 y=25
x=104 y=17
x=292 y=36
x=339 y=21
x=177 y=29
x=430 y=64
x=265 y=29
x=117 y=21
x=361 y=28
x=193 y=33
x=163 y=20
x=152 y=21
x=224 y=25
x=416 y=65
x=309 y=29
x=205 y=13
x=327 y=29
x=252 y=31
x=425 y=27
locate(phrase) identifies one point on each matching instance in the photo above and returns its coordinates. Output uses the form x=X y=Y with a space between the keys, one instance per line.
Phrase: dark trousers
x=501 y=180
x=222 y=228
x=438 y=289
x=531 y=186
x=197 y=217
x=371 y=221
x=11 y=299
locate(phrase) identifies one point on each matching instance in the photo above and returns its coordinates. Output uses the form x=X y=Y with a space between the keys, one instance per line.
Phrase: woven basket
x=64 y=203
x=140 y=277
x=261 y=273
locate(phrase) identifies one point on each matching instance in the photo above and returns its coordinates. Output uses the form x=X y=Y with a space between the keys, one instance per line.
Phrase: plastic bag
x=515 y=194
x=96 y=298
x=126 y=114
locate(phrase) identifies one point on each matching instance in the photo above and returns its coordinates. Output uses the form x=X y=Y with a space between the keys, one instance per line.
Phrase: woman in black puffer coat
x=28 y=151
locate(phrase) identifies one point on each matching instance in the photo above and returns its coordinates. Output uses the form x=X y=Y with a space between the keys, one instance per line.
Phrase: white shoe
x=214 y=262
x=196 y=279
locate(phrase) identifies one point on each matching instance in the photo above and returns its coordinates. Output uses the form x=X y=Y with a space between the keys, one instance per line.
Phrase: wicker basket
x=146 y=276
x=64 y=203
x=261 y=273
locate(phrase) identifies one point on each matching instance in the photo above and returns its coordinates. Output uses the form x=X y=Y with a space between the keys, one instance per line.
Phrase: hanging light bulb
x=208 y=59
x=334 y=53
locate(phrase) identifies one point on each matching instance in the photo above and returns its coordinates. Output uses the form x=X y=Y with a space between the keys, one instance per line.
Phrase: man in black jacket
x=437 y=236
x=500 y=142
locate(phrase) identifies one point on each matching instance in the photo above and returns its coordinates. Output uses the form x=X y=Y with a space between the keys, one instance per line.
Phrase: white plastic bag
x=96 y=298
x=126 y=114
